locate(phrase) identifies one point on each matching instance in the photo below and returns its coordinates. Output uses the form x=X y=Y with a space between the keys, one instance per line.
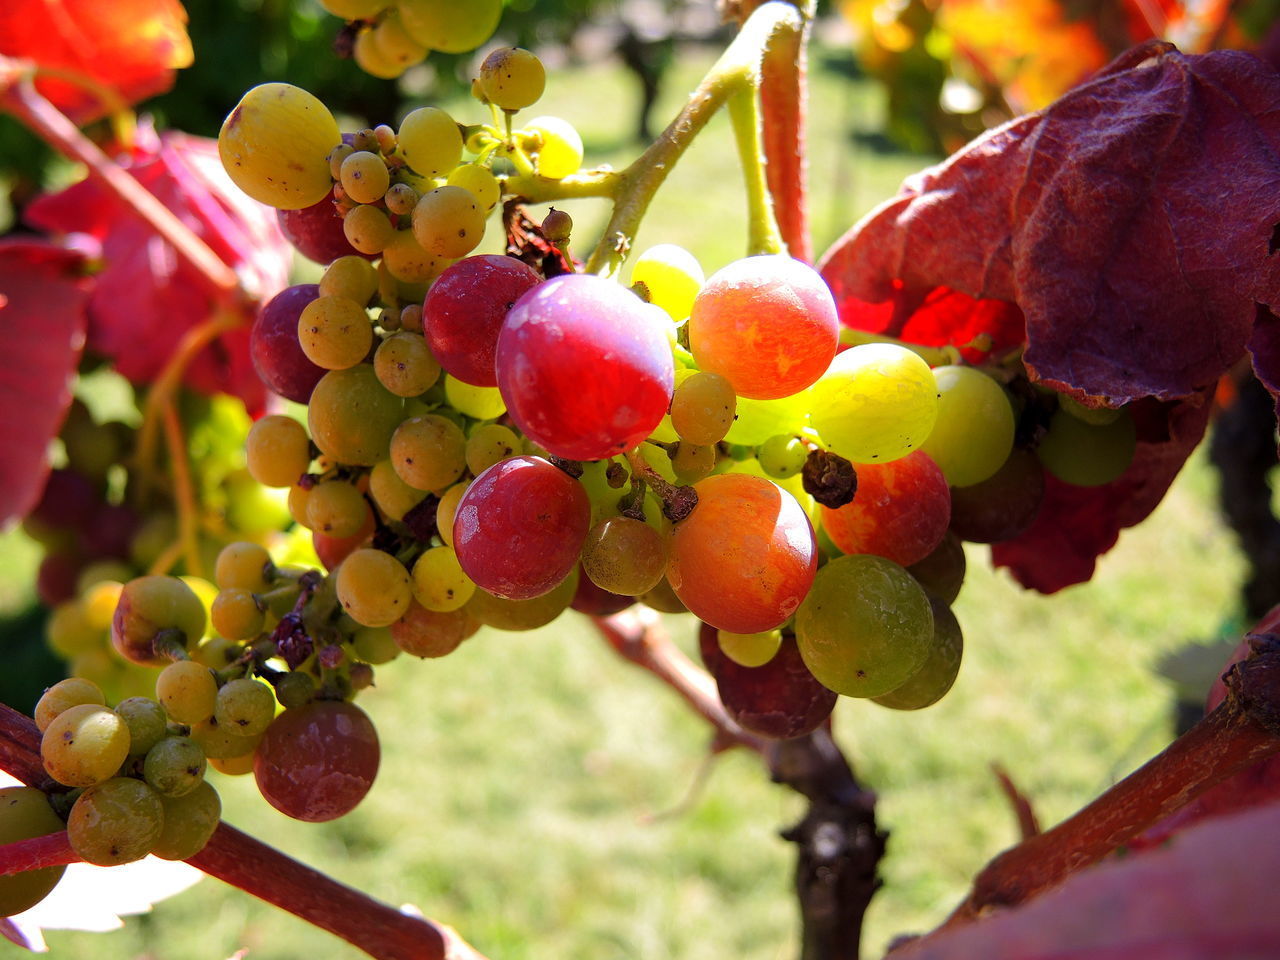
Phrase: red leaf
x=43 y=295
x=131 y=47
x=146 y=298
x=1209 y=894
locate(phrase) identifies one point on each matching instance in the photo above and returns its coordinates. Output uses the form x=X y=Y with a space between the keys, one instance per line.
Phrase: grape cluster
x=391 y=37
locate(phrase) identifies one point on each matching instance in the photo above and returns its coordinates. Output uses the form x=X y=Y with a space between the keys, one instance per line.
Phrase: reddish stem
x=20 y=747
x=53 y=850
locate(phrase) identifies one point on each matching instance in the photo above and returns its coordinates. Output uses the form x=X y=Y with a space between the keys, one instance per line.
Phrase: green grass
x=520 y=775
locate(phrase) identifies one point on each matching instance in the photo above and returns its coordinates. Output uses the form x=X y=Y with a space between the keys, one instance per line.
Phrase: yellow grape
x=243 y=564
x=277 y=451
x=479 y=403
x=447 y=509
x=116 y=821
x=393 y=496
x=429 y=452
x=749 y=649
x=406 y=260
x=25 y=814
x=429 y=141
x=373 y=588
x=352 y=415
x=395 y=44
x=488 y=444
x=370 y=58
x=479 y=181
x=672 y=276
x=439 y=584
x=62 y=696
x=354 y=9
x=512 y=78
x=368 y=229
x=560 y=150
x=404 y=364
x=187 y=690
x=365 y=177
x=448 y=221
x=84 y=745
x=450 y=26
x=336 y=509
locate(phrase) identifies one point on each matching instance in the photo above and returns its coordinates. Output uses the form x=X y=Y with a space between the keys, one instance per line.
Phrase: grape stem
x=762 y=227
x=53 y=850
x=677 y=502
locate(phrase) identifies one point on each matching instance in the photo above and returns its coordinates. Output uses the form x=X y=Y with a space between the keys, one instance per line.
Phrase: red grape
x=464 y=310
x=744 y=559
x=273 y=343
x=1002 y=506
x=585 y=369
x=519 y=527
x=316 y=232
x=316 y=762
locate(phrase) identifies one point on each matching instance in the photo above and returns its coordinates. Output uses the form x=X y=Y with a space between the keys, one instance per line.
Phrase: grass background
x=520 y=775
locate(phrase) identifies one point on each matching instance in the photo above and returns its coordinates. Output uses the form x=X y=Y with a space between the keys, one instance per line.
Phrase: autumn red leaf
x=43 y=299
x=129 y=47
x=146 y=298
x=1133 y=223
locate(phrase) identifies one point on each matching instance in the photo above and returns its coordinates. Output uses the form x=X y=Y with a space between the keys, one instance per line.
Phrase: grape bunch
x=391 y=37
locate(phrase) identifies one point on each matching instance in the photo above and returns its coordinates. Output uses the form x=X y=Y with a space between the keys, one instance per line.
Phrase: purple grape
x=584 y=367
x=277 y=355
x=111 y=531
x=69 y=501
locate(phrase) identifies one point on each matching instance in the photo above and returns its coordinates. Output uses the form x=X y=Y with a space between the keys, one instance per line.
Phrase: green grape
x=149 y=605
x=275 y=146
x=84 y=744
x=352 y=415
x=393 y=496
x=187 y=690
x=749 y=649
x=277 y=451
x=758 y=420
x=479 y=181
x=174 y=766
x=62 y=696
x=245 y=706
x=448 y=221
x=351 y=277
x=479 y=403
x=373 y=587
x=512 y=78
x=395 y=44
x=449 y=26
x=1097 y=416
x=237 y=614
x=374 y=645
x=691 y=462
x=68 y=631
x=354 y=9
x=938 y=672
x=24 y=815
x=876 y=402
x=439 y=584
x=404 y=364
x=243 y=565
x=364 y=176
x=189 y=822
x=429 y=452
x=253 y=510
x=429 y=141
x=147 y=723
x=488 y=444
x=1088 y=455
x=507 y=614
x=296 y=689
x=782 y=455
x=703 y=408
x=446 y=509
x=92 y=447
x=407 y=261
x=672 y=276
x=864 y=627
x=973 y=434
x=559 y=147
x=370 y=58
x=336 y=509
x=368 y=229
x=624 y=556
x=114 y=822
x=334 y=332
x=222 y=743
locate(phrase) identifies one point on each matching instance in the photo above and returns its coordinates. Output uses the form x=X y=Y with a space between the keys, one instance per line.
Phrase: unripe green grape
x=114 y=822
x=663 y=598
x=512 y=78
x=758 y=420
x=243 y=564
x=407 y=261
x=749 y=649
x=149 y=605
x=672 y=276
x=296 y=689
x=368 y=229
x=703 y=408
x=691 y=462
x=446 y=509
x=189 y=822
x=147 y=723
x=560 y=150
x=973 y=433
x=370 y=58
x=479 y=181
x=401 y=199
x=938 y=672
x=876 y=402
x=62 y=696
x=351 y=277
x=373 y=588
x=429 y=141
x=245 y=706
x=404 y=364
x=429 y=452
x=448 y=222
x=374 y=645
x=275 y=146
x=479 y=403
x=1086 y=455
x=782 y=456
x=393 y=496
x=449 y=26
x=68 y=631
x=24 y=815
x=624 y=555
x=864 y=627
x=334 y=332
x=488 y=444
x=236 y=614
x=84 y=745
x=352 y=416
x=174 y=766
x=187 y=690
x=505 y=614
x=1096 y=416
x=277 y=451
x=222 y=743
x=394 y=42
x=439 y=584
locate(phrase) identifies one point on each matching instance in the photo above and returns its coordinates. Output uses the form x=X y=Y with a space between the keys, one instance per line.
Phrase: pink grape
x=316 y=232
x=273 y=343
x=316 y=762
x=464 y=310
x=519 y=527
x=584 y=368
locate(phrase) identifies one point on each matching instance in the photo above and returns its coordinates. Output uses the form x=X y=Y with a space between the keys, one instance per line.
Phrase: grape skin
x=973 y=433
x=277 y=355
x=114 y=822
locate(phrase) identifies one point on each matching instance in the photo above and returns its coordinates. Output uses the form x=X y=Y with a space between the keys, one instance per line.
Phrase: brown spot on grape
x=862 y=674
